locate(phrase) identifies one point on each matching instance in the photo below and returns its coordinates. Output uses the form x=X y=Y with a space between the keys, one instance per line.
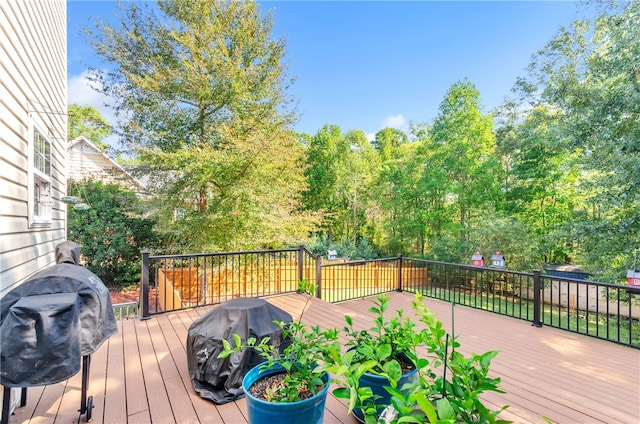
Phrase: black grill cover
x=53 y=341
x=220 y=380
x=45 y=346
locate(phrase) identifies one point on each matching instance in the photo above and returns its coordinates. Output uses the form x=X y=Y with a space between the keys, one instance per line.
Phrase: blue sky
x=374 y=64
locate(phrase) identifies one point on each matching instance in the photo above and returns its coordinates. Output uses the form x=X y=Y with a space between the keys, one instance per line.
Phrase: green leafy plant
x=385 y=343
x=112 y=232
x=447 y=385
x=383 y=350
x=306 y=347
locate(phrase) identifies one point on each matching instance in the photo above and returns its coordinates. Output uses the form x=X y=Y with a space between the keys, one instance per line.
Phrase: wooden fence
x=187 y=287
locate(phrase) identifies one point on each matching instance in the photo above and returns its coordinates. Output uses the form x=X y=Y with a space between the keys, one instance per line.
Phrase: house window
x=39 y=176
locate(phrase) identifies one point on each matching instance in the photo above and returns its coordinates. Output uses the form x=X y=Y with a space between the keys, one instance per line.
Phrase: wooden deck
x=140 y=375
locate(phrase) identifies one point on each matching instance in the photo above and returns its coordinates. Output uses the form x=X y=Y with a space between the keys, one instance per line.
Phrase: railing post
x=300 y=263
x=537 y=304
x=399 y=276
x=144 y=286
x=319 y=276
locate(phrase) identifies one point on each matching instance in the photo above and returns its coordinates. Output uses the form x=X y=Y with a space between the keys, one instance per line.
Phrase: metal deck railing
x=605 y=311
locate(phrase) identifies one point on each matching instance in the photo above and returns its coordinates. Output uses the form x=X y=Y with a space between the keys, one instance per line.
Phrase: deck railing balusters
x=542 y=299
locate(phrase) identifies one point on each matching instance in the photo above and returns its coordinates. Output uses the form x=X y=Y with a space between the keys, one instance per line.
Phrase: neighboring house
x=33 y=135
x=86 y=161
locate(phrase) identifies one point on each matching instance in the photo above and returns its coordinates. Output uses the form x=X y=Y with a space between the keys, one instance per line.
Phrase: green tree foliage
x=497 y=232
x=200 y=87
x=341 y=169
x=543 y=178
x=357 y=175
x=433 y=184
x=387 y=140
x=112 y=232
x=589 y=76
x=363 y=249
x=401 y=200
x=462 y=157
x=88 y=122
x=324 y=150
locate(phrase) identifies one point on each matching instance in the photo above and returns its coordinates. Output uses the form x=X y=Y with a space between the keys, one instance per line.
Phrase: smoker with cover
x=57 y=317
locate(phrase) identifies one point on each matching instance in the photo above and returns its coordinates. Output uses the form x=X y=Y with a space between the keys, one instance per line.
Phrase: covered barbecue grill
x=51 y=321
x=220 y=380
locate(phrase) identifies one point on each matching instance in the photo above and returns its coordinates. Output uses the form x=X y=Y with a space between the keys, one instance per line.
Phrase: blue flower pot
x=377 y=384
x=308 y=411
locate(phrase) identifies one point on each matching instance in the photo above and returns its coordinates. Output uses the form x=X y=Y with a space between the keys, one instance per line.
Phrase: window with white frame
x=39 y=176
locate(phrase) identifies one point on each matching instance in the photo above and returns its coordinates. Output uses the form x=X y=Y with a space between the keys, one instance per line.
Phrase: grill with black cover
x=47 y=324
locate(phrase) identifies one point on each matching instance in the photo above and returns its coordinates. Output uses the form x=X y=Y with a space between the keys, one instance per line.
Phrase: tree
x=112 y=232
x=388 y=139
x=589 y=76
x=463 y=148
x=88 y=122
x=325 y=149
x=399 y=198
x=200 y=87
x=357 y=177
x=433 y=183
x=543 y=179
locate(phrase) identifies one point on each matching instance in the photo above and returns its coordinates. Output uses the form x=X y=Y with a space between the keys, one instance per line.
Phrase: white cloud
x=395 y=121
x=392 y=121
x=81 y=92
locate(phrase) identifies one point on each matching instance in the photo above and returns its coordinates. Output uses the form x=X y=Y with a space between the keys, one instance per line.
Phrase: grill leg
x=86 y=364
x=6 y=399
x=6 y=402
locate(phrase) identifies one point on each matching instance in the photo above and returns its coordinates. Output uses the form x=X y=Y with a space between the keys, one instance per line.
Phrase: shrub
x=112 y=232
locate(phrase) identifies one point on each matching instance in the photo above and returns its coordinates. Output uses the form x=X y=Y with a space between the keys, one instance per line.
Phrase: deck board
x=140 y=375
x=174 y=360
x=158 y=400
x=98 y=381
x=137 y=404
x=115 y=396
x=48 y=402
x=33 y=397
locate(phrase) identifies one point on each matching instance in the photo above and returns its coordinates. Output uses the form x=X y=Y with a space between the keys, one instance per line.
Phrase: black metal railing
x=347 y=280
x=605 y=311
x=504 y=292
x=174 y=282
x=601 y=310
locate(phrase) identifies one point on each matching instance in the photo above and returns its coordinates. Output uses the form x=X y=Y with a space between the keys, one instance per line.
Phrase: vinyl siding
x=85 y=161
x=33 y=85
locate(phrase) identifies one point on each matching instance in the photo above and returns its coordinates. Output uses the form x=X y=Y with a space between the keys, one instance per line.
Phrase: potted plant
x=288 y=387
x=445 y=387
x=449 y=384
x=377 y=357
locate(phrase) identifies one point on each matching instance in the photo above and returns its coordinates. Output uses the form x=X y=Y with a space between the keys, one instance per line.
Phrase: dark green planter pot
x=308 y=411
x=377 y=385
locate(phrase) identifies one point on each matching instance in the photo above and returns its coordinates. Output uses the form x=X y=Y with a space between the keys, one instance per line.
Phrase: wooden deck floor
x=140 y=375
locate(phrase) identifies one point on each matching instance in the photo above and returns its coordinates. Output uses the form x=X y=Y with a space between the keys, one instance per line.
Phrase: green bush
x=112 y=232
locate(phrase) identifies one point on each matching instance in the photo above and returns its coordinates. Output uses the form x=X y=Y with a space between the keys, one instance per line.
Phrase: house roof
x=100 y=159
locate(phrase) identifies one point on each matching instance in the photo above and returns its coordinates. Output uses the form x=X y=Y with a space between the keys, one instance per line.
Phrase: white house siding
x=33 y=82
x=86 y=161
